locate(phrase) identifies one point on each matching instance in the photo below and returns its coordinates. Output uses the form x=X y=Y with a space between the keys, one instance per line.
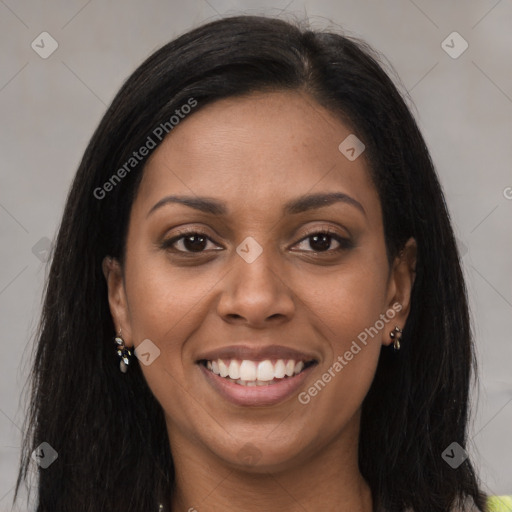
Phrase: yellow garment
x=499 y=504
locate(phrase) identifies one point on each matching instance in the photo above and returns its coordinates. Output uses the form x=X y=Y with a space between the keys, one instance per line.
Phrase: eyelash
x=344 y=243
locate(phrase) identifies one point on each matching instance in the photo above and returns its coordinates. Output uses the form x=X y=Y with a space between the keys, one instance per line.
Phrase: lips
x=255 y=376
x=241 y=352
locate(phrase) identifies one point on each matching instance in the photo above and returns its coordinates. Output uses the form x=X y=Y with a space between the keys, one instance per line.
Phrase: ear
x=117 y=298
x=400 y=285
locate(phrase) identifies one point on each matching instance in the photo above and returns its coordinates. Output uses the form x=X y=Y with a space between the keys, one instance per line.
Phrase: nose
x=256 y=293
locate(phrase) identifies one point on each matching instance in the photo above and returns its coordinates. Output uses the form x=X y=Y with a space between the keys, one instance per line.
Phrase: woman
x=255 y=300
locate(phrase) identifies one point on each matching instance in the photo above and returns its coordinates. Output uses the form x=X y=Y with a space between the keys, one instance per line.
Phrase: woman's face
x=244 y=280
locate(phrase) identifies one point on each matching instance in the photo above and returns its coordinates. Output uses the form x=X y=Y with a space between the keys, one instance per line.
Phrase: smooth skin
x=255 y=153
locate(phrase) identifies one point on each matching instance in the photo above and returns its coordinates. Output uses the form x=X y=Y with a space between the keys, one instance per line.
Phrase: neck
x=327 y=480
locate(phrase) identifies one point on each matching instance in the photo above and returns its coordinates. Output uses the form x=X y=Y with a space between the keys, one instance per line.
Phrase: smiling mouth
x=256 y=373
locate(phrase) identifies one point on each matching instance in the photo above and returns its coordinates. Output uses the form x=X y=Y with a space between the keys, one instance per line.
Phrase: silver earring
x=396 y=336
x=123 y=352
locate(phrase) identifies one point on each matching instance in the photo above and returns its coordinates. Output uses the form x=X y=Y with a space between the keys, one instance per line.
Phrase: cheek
x=167 y=305
x=164 y=304
x=161 y=296
x=332 y=399
x=347 y=307
x=349 y=299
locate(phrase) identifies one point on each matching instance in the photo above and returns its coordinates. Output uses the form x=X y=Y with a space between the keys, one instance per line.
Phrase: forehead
x=255 y=151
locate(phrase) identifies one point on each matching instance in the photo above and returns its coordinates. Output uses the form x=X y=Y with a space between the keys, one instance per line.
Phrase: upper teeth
x=250 y=371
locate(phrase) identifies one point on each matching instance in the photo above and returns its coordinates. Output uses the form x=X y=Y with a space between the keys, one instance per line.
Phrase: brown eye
x=321 y=241
x=187 y=242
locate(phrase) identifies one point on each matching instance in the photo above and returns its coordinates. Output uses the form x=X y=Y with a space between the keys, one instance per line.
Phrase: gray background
x=50 y=107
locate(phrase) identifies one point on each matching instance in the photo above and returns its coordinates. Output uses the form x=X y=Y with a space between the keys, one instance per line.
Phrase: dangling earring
x=123 y=352
x=396 y=336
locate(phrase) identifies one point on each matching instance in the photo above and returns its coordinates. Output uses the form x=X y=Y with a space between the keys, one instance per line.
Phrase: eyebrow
x=293 y=207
